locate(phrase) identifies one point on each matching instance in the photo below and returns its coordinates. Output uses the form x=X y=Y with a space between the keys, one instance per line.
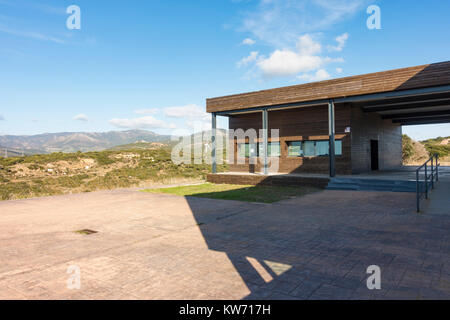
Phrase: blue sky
x=152 y=64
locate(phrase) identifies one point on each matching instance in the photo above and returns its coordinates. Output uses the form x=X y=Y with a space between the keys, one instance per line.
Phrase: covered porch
x=410 y=96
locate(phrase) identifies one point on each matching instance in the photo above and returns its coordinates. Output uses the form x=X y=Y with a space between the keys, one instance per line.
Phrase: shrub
x=407 y=147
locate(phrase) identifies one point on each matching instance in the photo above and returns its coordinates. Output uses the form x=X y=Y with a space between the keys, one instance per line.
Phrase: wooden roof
x=437 y=74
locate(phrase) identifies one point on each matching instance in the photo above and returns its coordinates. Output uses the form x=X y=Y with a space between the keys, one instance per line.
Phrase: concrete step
x=372 y=185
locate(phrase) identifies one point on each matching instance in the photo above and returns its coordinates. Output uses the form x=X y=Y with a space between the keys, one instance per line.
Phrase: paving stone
x=306 y=288
x=330 y=292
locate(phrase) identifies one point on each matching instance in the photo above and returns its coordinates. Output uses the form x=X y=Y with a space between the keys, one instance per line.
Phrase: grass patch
x=262 y=194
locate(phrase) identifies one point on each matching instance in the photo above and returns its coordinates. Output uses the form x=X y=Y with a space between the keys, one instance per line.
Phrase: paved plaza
x=151 y=246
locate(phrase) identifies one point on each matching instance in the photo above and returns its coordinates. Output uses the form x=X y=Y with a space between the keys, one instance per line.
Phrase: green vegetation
x=19 y=190
x=263 y=194
x=139 y=145
x=408 y=148
x=61 y=173
x=102 y=157
x=439 y=146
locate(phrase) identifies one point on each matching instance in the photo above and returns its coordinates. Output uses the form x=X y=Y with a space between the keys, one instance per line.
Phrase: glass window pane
x=274 y=149
x=322 y=148
x=309 y=148
x=242 y=150
x=338 y=147
x=253 y=150
x=295 y=149
x=260 y=149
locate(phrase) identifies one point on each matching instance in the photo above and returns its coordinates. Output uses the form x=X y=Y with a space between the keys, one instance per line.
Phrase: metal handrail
x=430 y=177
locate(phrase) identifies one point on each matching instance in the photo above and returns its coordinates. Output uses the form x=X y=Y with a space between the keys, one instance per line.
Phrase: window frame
x=302 y=148
x=269 y=147
x=247 y=151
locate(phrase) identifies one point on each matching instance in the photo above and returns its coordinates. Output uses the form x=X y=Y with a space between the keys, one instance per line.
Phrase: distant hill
x=439 y=145
x=417 y=152
x=414 y=152
x=78 y=141
x=4 y=151
x=140 y=145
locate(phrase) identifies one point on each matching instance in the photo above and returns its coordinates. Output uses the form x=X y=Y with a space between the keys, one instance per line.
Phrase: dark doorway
x=374 y=155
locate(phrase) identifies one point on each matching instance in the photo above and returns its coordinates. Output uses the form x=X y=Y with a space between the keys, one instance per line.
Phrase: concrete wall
x=370 y=126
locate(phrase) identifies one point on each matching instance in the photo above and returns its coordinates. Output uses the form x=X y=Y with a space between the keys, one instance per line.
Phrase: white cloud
x=81 y=117
x=287 y=62
x=319 y=75
x=49 y=9
x=280 y=22
x=32 y=35
x=195 y=117
x=190 y=111
x=148 y=122
x=333 y=60
x=307 y=46
x=191 y=116
x=147 y=111
x=248 y=42
x=197 y=126
x=339 y=70
x=253 y=56
x=2 y=118
x=341 y=40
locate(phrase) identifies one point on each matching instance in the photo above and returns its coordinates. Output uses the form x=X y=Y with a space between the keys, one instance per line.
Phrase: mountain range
x=77 y=141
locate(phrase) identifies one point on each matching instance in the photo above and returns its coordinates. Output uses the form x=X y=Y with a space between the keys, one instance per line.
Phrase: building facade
x=344 y=126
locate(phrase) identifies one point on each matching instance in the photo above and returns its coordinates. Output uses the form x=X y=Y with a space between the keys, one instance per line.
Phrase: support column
x=332 y=131
x=265 y=137
x=213 y=143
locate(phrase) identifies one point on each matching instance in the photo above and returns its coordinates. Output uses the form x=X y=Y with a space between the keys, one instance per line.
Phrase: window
x=309 y=148
x=242 y=150
x=295 y=149
x=273 y=149
x=253 y=150
x=338 y=147
x=312 y=148
x=322 y=148
x=247 y=150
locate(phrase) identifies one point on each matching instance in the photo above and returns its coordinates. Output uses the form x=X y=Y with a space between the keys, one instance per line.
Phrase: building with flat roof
x=343 y=126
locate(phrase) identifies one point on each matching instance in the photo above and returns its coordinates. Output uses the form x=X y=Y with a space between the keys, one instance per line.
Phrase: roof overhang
x=408 y=96
x=429 y=108
x=417 y=106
